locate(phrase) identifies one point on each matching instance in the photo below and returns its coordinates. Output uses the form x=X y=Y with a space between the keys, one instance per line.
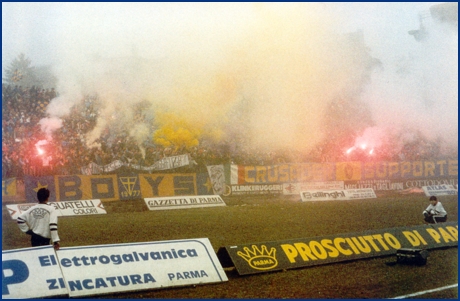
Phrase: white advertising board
x=362 y=193
x=296 y=188
x=93 y=270
x=31 y=273
x=439 y=190
x=65 y=208
x=337 y=194
x=182 y=202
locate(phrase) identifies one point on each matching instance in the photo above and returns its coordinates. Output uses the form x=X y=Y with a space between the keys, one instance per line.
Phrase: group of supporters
x=27 y=151
x=23 y=152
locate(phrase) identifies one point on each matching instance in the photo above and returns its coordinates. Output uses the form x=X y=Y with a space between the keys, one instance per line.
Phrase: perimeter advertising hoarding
x=439 y=190
x=93 y=270
x=253 y=189
x=31 y=273
x=337 y=194
x=67 y=208
x=401 y=184
x=272 y=256
x=296 y=188
x=183 y=202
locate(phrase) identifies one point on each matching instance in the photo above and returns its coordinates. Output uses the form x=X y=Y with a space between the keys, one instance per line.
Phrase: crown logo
x=39 y=213
x=259 y=259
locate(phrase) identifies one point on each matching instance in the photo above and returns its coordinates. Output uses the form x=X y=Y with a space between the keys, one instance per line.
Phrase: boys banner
x=120 y=186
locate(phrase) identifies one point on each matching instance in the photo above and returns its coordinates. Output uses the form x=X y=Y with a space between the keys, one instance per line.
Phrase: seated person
x=435 y=212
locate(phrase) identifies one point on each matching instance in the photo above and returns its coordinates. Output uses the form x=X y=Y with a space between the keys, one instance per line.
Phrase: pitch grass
x=251 y=219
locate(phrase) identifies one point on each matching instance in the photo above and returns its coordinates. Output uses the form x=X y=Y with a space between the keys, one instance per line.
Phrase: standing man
x=41 y=221
x=435 y=212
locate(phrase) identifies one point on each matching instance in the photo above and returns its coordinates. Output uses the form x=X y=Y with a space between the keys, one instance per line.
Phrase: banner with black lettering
x=67 y=208
x=184 y=202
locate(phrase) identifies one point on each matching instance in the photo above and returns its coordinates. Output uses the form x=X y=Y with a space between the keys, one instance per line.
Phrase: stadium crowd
x=66 y=154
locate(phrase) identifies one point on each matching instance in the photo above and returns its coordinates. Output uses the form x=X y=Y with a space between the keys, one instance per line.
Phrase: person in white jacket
x=435 y=212
x=41 y=221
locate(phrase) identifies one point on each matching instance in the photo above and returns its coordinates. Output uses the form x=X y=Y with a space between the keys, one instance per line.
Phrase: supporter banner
x=9 y=187
x=296 y=188
x=217 y=176
x=203 y=184
x=184 y=202
x=103 y=269
x=406 y=170
x=162 y=164
x=157 y=185
x=346 y=171
x=33 y=184
x=296 y=253
x=118 y=187
x=337 y=194
x=284 y=173
x=439 y=190
x=129 y=187
x=341 y=171
x=67 y=208
x=79 y=187
x=31 y=273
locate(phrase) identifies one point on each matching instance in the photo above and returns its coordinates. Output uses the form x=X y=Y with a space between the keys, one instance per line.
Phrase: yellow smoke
x=175 y=131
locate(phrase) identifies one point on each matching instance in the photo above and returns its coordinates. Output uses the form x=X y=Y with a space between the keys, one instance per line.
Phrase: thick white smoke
x=265 y=71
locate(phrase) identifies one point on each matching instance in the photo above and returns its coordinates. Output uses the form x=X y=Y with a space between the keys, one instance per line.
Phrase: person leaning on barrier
x=41 y=221
x=435 y=212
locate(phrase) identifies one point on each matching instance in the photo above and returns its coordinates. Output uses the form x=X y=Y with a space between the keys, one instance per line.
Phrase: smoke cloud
x=256 y=75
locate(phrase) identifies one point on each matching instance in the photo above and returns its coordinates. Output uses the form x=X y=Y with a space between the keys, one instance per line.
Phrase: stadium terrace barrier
x=103 y=269
x=272 y=256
